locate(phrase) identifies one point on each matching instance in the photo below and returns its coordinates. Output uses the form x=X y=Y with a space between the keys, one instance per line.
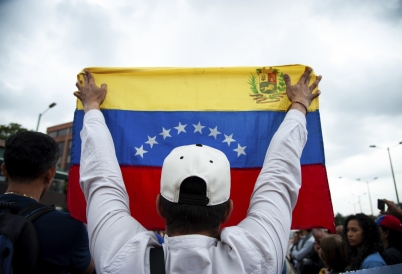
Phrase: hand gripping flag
x=150 y=111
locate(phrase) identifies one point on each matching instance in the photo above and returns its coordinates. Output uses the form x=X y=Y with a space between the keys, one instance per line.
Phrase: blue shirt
x=64 y=244
x=372 y=261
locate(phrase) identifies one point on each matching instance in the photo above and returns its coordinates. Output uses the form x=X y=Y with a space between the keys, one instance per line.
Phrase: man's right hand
x=301 y=92
x=90 y=95
x=392 y=209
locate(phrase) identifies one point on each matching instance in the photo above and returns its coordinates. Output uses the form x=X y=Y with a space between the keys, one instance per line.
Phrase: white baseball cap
x=201 y=161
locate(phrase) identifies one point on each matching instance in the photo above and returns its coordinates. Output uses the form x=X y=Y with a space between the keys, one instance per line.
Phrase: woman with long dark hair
x=362 y=242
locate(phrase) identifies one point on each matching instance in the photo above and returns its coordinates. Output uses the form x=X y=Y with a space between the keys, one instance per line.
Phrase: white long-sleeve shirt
x=120 y=244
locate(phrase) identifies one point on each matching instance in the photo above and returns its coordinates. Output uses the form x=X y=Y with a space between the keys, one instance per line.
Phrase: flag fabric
x=150 y=111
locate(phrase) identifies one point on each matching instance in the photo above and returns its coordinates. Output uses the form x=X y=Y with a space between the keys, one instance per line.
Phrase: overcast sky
x=355 y=45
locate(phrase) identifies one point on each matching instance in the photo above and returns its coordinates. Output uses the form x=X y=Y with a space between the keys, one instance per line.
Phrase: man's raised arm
x=277 y=187
x=108 y=212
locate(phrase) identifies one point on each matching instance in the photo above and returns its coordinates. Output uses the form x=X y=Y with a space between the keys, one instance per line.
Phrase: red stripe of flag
x=313 y=209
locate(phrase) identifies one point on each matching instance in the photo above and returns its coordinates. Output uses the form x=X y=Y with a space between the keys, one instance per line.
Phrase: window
x=68 y=156
x=53 y=134
x=61 y=148
x=63 y=132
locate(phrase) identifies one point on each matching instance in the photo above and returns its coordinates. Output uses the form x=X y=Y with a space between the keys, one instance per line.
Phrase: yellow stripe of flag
x=197 y=89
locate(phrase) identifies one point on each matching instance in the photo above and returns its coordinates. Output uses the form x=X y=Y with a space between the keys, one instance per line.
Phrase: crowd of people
x=195 y=201
x=360 y=243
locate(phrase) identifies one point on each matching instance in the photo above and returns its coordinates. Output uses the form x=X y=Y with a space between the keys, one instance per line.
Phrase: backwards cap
x=390 y=222
x=201 y=161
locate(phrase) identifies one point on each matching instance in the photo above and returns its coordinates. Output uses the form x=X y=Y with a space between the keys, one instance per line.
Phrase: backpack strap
x=12 y=206
x=157 y=260
x=35 y=210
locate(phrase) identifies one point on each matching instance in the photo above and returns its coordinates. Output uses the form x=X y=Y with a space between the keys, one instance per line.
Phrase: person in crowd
x=333 y=255
x=304 y=250
x=391 y=238
x=193 y=244
x=319 y=234
x=362 y=241
x=313 y=263
x=29 y=165
x=339 y=229
x=293 y=246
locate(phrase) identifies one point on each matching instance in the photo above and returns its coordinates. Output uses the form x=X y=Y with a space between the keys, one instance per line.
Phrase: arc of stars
x=197 y=128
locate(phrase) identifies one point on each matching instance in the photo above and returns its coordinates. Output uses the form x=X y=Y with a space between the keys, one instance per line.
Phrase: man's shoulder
x=61 y=221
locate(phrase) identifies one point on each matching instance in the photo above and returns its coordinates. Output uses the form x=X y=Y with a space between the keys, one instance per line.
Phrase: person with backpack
x=194 y=199
x=35 y=238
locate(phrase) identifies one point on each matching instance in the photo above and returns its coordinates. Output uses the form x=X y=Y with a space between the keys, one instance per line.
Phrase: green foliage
x=253 y=83
x=12 y=128
x=339 y=219
x=281 y=83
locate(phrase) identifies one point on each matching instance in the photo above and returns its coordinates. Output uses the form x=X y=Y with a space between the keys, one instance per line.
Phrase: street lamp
x=40 y=114
x=360 y=203
x=368 y=189
x=354 y=207
x=392 y=169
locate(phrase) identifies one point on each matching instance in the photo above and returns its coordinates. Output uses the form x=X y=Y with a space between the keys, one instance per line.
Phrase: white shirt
x=119 y=244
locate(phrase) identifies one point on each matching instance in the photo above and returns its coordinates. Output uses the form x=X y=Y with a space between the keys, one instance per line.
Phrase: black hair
x=192 y=219
x=29 y=154
x=370 y=243
x=394 y=238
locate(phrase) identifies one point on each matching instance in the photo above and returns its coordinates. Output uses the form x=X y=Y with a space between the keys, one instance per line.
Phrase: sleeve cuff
x=93 y=114
x=296 y=115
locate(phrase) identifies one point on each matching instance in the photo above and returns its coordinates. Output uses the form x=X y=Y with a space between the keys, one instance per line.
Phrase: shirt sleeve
x=277 y=187
x=304 y=251
x=108 y=212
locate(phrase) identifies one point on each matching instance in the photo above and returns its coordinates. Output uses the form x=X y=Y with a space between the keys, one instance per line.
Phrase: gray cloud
x=355 y=45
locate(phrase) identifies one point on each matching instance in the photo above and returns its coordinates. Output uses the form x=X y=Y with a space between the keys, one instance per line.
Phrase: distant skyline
x=355 y=45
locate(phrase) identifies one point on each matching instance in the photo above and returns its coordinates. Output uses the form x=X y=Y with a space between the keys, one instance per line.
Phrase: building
x=62 y=134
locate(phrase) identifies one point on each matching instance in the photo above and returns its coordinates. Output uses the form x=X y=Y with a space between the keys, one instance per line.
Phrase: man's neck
x=27 y=189
x=203 y=233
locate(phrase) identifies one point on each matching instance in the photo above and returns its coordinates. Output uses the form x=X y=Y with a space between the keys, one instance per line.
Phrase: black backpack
x=19 y=244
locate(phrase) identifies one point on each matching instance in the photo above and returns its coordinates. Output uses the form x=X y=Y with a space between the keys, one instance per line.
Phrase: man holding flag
x=194 y=199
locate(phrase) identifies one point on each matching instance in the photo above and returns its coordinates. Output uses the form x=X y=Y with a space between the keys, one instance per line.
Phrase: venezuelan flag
x=150 y=111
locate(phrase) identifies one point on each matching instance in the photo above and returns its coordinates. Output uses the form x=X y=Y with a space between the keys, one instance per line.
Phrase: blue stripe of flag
x=243 y=136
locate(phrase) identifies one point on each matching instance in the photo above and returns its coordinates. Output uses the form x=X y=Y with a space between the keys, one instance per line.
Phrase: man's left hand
x=90 y=95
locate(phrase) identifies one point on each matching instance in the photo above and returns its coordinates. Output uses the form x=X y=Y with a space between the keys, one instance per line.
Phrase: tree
x=339 y=219
x=12 y=128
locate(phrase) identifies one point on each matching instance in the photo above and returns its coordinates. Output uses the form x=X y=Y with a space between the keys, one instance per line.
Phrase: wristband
x=297 y=102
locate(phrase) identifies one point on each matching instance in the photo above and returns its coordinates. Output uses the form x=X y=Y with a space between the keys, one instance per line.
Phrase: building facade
x=62 y=134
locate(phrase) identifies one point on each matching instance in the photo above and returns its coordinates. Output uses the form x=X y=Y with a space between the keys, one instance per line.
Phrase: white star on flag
x=140 y=151
x=214 y=132
x=151 y=141
x=180 y=128
x=228 y=139
x=240 y=150
x=165 y=133
x=198 y=128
